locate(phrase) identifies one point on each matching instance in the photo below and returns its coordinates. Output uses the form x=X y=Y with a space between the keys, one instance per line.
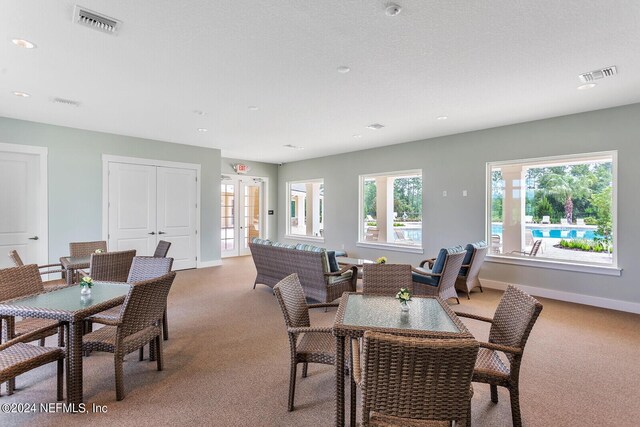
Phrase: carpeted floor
x=226 y=364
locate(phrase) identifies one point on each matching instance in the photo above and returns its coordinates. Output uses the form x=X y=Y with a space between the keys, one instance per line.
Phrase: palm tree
x=566 y=186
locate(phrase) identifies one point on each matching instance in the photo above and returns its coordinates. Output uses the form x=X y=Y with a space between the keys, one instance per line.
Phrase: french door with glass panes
x=241 y=212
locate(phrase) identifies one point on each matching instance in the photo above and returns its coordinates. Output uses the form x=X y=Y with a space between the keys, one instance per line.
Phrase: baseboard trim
x=205 y=264
x=613 y=304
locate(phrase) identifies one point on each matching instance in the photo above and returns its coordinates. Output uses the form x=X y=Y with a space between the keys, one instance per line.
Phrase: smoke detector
x=598 y=74
x=392 y=9
x=95 y=20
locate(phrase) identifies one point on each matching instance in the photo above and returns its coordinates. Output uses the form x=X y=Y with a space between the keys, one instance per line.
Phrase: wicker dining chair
x=510 y=327
x=18 y=357
x=386 y=279
x=139 y=322
x=142 y=268
x=49 y=284
x=441 y=279
x=316 y=344
x=468 y=276
x=162 y=249
x=82 y=249
x=408 y=381
x=110 y=266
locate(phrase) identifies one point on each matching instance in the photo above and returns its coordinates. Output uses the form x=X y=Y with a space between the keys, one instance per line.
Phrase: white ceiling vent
x=95 y=20
x=69 y=102
x=598 y=74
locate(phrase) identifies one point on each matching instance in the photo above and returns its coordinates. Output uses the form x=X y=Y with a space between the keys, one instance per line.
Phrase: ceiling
x=482 y=64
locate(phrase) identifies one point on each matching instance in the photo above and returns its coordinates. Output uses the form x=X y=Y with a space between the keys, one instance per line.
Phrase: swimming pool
x=554 y=232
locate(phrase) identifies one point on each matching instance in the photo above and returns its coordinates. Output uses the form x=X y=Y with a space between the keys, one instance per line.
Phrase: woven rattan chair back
x=292 y=301
x=162 y=249
x=417 y=378
x=146 y=267
x=476 y=263
x=16 y=282
x=111 y=266
x=81 y=249
x=513 y=320
x=386 y=279
x=15 y=257
x=450 y=271
x=144 y=304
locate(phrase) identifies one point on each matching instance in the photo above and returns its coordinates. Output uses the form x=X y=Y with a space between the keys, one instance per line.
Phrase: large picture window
x=557 y=209
x=391 y=209
x=306 y=204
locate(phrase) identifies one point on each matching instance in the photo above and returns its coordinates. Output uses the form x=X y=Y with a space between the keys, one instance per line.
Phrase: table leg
x=70 y=274
x=352 y=391
x=74 y=362
x=340 y=381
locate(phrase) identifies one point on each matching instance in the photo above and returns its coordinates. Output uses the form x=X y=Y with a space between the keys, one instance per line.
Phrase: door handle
x=161 y=232
x=34 y=238
x=153 y=233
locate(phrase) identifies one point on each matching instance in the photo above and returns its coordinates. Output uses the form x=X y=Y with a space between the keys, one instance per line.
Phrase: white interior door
x=132 y=208
x=241 y=212
x=177 y=204
x=251 y=223
x=228 y=209
x=21 y=204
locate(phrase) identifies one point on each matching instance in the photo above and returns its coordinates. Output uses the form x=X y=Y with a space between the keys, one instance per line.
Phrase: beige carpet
x=226 y=364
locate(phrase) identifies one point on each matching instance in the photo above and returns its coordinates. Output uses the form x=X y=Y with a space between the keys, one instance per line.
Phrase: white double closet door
x=147 y=204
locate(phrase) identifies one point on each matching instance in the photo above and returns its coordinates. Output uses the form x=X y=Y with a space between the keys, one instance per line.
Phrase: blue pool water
x=554 y=233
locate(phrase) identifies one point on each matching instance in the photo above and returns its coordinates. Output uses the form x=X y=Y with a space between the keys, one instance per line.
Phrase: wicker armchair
x=142 y=268
x=18 y=357
x=510 y=327
x=441 y=279
x=110 y=266
x=406 y=381
x=316 y=345
x=162 y=249
x=139 y=322
x=386 y=279
x=49 y=284
x=82 y=249
x=468 y=276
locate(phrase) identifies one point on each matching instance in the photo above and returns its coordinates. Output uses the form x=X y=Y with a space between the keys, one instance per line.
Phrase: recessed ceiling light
x=357 y=135
x=253 y=108
x=23 y=43
x=375 y=126
x=442 y=118
x=21 y=94
x=392 y=9
x=199 y=112
x=203 y=130
x=293 y=147
x=343 y=69
x=587 y=86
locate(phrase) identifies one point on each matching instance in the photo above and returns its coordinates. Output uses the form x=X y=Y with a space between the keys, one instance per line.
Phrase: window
x=391 y=210
x=305 y=201
x=554 y=209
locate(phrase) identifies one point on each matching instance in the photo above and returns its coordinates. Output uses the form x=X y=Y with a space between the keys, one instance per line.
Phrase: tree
x=602 y=204
x=564 y=185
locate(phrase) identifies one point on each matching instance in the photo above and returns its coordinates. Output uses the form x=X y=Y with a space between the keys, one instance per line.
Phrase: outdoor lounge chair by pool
x=545 y=219
x=580 y=222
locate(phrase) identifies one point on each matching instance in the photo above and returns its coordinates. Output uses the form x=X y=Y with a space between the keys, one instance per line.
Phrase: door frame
x=108 y=158
x=43 y=199
x=264 y=203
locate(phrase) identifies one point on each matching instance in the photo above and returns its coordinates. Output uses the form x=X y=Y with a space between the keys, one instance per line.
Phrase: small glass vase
x=404 y=306
x=85 y=290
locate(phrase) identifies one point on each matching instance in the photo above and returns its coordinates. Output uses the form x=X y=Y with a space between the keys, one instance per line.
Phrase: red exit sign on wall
x=240 y=168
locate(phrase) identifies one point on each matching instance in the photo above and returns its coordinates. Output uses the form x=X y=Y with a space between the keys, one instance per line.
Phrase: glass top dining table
x=428 y=317
x=67 y=305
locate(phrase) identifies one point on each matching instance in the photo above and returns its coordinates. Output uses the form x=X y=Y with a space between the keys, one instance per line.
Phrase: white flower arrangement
x=86 y=282
x=403 y=295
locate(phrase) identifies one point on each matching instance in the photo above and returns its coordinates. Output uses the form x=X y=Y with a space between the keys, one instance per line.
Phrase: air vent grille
x=598 y=74
x=95 y=20
x=68 y=102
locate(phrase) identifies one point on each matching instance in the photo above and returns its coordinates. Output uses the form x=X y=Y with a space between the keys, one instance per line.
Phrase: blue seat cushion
x=333 y=262
x=427 y=280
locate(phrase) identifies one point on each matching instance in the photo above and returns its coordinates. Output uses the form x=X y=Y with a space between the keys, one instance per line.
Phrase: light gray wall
x=75 y=179
x=458 y=162
x=263 y=170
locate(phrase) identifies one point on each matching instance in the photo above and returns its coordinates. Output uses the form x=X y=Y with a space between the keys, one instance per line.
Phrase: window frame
x=288 y=234
x=568 y=265
x=418 y=249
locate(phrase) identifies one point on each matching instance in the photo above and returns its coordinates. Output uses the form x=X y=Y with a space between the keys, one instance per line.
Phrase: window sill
x=556 y=265
x=391 y=247
x=305 y=238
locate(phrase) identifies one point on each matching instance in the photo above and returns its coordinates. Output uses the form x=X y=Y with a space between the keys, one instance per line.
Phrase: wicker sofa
x=319 y=273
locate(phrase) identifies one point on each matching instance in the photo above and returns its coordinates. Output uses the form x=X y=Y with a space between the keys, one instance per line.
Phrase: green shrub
x=589 y=220
x=398 y=224
x=583 y=245
x=372 y=223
